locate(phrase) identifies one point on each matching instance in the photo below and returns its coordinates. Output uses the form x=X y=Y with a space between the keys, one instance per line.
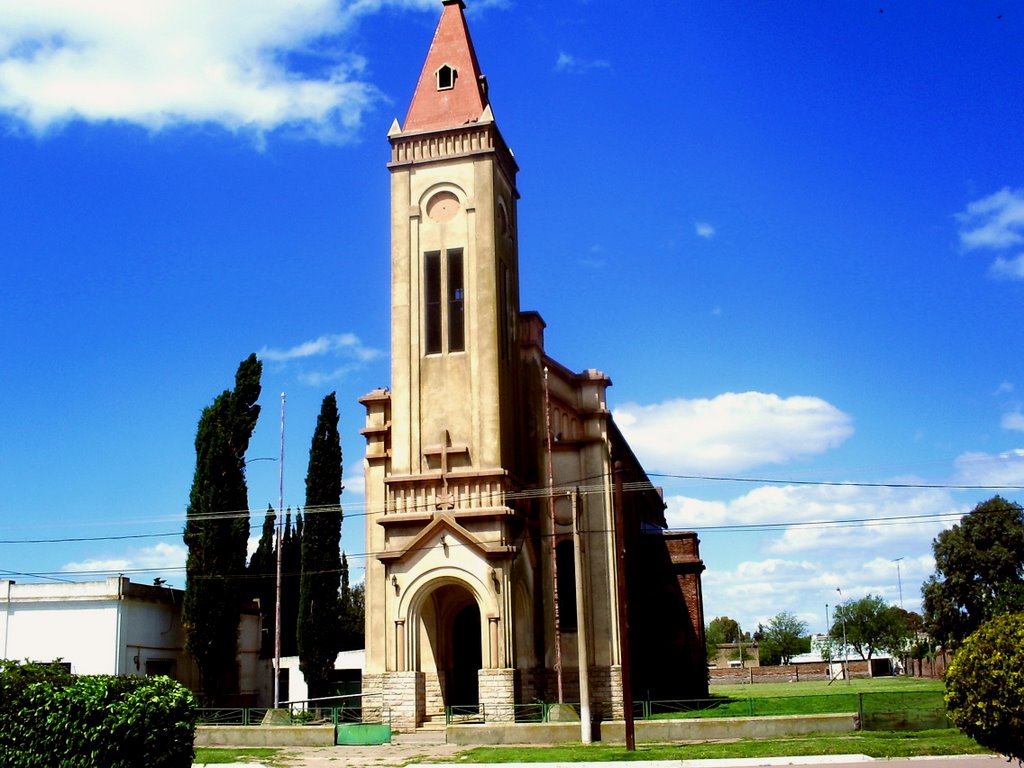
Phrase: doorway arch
x=450 y=642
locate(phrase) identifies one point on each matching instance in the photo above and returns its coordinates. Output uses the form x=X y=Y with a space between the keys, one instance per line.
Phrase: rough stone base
x=606 y=692
x=404 y=695
x=498 y=689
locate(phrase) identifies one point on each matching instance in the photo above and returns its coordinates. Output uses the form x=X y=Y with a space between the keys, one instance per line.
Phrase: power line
x=840 y=484
x=638 y=486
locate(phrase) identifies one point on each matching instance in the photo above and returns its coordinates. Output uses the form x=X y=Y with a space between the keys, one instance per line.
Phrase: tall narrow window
x=456 y=302
x=432 y=302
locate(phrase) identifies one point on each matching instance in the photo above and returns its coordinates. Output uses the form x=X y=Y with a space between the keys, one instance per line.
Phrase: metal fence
x=918 y=710
x=334 y=710
x=890 y=711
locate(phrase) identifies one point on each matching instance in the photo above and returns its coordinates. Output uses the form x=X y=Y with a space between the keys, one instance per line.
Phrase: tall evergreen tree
x=291 y=557
x=217 y=531
x=318 y=629
x=263 y=581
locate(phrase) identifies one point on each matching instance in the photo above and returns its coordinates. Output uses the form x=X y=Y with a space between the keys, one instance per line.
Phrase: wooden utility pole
x=624 y=659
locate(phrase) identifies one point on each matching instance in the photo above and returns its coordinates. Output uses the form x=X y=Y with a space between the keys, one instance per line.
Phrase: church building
x=498 y=487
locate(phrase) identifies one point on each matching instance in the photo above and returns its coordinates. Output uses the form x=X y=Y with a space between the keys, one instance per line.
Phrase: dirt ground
x=378 y=756
x=399 y=753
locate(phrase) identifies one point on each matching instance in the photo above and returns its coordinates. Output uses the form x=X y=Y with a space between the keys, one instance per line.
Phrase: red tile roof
x=436 y=109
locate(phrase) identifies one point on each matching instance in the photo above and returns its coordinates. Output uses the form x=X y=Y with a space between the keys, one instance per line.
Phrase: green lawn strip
x=818 y=687
x=875 y=744
x=217 y=755
x=911 y=695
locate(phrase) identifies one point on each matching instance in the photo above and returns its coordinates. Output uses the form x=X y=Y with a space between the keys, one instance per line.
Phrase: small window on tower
x=446 y=75
x=432 y=302
x=456 y=302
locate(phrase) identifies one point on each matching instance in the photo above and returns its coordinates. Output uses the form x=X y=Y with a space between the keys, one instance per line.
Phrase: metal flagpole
x=583 y=654
x=277 y=589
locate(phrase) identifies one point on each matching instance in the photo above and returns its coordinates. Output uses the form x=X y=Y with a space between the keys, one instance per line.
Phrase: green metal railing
x=916 y=710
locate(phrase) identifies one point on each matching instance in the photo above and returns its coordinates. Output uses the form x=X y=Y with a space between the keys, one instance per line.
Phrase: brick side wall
x=785 y=673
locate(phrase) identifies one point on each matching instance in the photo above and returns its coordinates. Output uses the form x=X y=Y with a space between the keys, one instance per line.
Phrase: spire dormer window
x=446 y=75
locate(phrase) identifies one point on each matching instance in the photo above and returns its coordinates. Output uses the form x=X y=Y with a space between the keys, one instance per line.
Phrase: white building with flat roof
x=116 y=627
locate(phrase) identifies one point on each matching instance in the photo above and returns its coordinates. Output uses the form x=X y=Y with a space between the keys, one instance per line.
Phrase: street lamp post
x=846 y=648
x=899 y=579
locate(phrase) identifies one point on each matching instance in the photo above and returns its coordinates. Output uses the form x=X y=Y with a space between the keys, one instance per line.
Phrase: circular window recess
x=443 y=206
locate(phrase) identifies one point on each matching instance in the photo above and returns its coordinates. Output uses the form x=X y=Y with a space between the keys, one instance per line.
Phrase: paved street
x=396 y=755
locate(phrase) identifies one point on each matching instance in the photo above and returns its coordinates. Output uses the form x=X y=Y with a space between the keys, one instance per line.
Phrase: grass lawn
x=911 y=695
x=874 y=744
x=819 y=687
x=211 y=755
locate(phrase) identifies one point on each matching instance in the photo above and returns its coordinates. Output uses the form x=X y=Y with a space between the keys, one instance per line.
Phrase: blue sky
x=792 y=235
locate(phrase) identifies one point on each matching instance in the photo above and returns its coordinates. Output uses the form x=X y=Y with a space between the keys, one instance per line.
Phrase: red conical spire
x=451 y=91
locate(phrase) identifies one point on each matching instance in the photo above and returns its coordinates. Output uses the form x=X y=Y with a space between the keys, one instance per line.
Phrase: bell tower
x=454 y=266
x=443 y=443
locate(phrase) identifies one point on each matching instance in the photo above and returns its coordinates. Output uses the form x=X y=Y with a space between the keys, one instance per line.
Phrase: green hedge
x=49 y=717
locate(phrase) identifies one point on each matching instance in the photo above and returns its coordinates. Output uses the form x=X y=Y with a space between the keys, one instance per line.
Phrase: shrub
x=985 y=685
x=49 y=717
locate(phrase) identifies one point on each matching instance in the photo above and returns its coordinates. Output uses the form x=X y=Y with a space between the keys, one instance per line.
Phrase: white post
x=583 y=656
x=277 y=589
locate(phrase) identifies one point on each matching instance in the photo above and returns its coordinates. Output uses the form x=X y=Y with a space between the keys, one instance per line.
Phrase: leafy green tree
x=979 y=571
x=871 y=626
x=720 y=630
x=318 y=628
x=782 y=639
x=217 y=531
x=351 y=609
x=985 y=685
x=263 y=581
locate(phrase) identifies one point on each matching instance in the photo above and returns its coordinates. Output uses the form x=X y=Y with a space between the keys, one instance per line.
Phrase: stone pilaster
x=498 y=694
x=606 y=692
x=373 y=698
x=433 y=683
x=403 y=694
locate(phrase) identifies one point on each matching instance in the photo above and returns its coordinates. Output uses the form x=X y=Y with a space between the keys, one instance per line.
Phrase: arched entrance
x=451 y=646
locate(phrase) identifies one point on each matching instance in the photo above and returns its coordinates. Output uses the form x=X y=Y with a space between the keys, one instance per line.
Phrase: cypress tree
x=217 y=531
x=263 y=581
x=291 y=546
x=318 y=628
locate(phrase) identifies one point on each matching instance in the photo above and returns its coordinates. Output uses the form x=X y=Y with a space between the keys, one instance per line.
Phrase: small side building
x=116 y=627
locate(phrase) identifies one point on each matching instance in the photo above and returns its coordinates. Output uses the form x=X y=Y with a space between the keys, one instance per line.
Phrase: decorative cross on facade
x=444 y=499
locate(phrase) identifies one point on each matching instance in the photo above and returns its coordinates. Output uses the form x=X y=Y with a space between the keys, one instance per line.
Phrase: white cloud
x=756 y=590
x=167 y=62
x=791 y=514
x=996 y=223
x=166 y=560
x=574 y=65
x=1004 y=388
x=704 y=230
x=345 y=345
x=1013 y=421
x=991 y=470
x=1008 y=269
x=731 y=432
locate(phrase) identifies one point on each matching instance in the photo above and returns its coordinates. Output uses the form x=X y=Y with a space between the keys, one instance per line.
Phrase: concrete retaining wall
x=264 y=736
x=656 y=730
